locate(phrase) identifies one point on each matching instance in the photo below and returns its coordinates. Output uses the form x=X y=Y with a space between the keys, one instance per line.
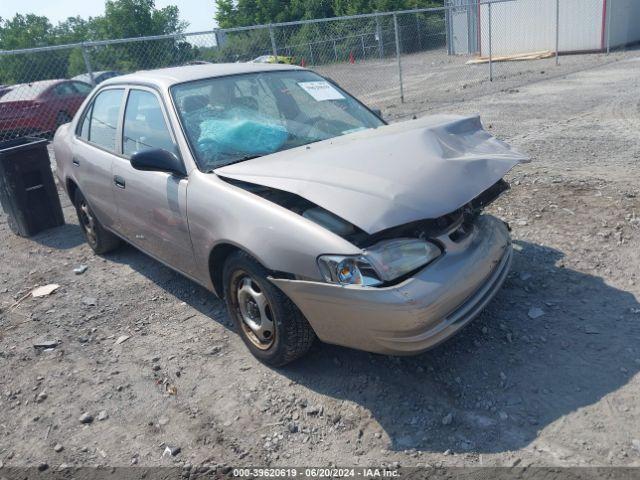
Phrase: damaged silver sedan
x=274 y=188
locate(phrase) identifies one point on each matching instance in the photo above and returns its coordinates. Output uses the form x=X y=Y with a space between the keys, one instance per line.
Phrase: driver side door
x=152 y=206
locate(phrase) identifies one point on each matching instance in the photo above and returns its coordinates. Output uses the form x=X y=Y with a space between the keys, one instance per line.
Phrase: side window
x=82 y=88
x=83 y=131
x=104 y=118
x=144 y=126
x=64 y=90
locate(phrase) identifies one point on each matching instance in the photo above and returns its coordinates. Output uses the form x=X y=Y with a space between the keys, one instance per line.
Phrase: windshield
x=235 y=118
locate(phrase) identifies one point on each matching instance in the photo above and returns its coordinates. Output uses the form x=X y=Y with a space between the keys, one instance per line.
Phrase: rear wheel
x=272 y=327
x=99 y=239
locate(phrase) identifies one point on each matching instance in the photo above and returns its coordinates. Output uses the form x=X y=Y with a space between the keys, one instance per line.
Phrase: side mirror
x=158 y=160
x=377 y=112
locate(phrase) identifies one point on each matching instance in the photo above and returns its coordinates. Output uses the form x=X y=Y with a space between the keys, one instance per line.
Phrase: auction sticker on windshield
x=321 y=91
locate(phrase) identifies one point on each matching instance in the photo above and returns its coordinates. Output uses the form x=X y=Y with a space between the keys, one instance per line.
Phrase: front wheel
x=99 y=239
x=272 y=327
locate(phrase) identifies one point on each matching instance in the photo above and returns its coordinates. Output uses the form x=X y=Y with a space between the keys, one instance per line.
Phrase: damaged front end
x=457 y=224
x=404 y=194
x=393 y=254
x=394 y=175
x=420 y=259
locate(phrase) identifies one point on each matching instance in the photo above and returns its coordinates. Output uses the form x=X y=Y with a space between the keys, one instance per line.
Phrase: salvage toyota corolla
x=280 y=192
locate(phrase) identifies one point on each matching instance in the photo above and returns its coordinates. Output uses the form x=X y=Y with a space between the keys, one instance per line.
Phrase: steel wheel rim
x=254 y=311
x=88 y=222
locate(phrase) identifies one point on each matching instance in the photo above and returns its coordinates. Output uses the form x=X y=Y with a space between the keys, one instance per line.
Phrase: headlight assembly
x=383 y=262
x=348 y=270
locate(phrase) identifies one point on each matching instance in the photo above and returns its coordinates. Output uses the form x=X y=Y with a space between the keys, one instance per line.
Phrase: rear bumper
x=418 y=313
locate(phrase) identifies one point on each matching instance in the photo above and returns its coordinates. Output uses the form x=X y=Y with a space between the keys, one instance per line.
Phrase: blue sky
x=199 y=13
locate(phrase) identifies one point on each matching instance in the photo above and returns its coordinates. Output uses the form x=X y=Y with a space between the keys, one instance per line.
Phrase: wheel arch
x=217 y=257
x=72 y=188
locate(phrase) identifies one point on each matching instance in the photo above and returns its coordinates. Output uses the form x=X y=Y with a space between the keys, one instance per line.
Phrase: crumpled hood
x=385 y=177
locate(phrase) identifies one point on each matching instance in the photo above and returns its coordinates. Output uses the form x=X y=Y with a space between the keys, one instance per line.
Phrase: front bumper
x=418 y=313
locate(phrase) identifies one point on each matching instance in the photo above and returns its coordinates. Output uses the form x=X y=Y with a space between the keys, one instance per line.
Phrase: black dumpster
x=27 y=191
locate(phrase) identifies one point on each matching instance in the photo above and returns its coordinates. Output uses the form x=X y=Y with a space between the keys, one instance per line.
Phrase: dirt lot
x=434 y=78
x=548 y=375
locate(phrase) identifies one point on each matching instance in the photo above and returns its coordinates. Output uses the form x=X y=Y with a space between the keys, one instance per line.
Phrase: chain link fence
x=423 y=57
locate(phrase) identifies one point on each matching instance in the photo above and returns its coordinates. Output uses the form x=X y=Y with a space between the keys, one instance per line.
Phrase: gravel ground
x=547 y=375
x=432 y=79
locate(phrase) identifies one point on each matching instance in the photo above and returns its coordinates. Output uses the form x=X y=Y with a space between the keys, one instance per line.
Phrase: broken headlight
x=383 y=262
x=348 y=270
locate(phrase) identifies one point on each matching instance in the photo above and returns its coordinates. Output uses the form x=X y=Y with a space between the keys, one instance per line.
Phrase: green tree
x=122 y=19
x=135 y=18
x=24 y=31
x=72 y=30
x=226 y=13
x=327 y=41
x=28 y=31
x=238 y=13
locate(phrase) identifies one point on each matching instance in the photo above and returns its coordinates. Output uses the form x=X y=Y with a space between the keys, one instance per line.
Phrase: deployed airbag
x=239 y=134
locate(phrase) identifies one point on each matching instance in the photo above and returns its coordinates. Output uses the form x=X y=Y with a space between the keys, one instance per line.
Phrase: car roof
x=43 y=83
x=166 y=77
x=29 y=90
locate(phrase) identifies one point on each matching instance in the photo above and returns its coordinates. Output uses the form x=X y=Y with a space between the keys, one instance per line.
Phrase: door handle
x=119 y=181
x=75 y=162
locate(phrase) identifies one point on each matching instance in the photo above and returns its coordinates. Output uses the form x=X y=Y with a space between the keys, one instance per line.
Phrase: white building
x=521 y=26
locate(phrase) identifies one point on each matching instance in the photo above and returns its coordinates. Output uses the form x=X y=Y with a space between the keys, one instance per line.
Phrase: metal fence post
x=311 y=55
x=379 y=35
x=557 y=32
x=395 y=28
x=609 y=4
x=87 y=64
x=335 y=51
x=447 y=24
x=490 y=48
x=364 y=53
x=273 y=41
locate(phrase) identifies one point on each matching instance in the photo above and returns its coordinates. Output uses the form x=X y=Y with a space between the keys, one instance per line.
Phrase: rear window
x=25 y=91
x=102 y=117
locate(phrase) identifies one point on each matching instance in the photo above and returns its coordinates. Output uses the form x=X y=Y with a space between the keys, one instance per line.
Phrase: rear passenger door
x=94 y=152
x=152 y=206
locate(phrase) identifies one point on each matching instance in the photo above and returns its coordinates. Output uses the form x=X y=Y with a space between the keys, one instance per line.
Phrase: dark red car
x=40 y=107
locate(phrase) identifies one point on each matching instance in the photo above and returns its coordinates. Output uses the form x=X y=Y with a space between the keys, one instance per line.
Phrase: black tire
x=99 y=239
x=293 y=336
